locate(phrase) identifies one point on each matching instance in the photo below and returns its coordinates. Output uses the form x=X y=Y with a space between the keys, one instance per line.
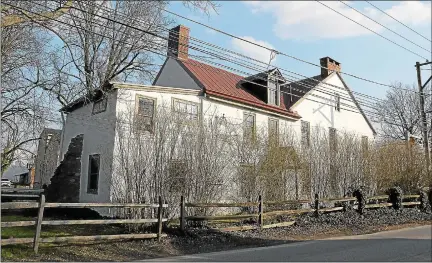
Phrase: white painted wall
x=99 y=131
x=210 y=107
x=325 y=116
x=126 y=103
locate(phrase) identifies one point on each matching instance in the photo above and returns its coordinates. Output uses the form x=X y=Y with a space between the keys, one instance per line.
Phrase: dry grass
x=196 y=241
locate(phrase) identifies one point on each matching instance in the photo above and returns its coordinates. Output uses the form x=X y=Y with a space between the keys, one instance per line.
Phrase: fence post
x=316 y=205
x=182 y=214
x=260 y=212
x=39 y=223
x=159 y=233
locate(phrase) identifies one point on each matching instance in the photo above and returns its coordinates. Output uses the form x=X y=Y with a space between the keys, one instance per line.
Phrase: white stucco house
x=195 y=89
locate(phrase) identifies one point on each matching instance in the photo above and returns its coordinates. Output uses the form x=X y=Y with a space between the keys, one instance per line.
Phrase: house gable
x=357 y=104
x=318 y=105
x=173 y=74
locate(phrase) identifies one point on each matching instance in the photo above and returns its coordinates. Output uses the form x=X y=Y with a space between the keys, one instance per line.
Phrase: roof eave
x=290 y=115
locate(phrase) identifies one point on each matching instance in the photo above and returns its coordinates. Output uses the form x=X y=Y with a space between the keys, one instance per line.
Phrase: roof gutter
x=223 y=99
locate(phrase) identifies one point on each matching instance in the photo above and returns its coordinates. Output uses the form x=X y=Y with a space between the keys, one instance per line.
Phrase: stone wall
x=65 y=183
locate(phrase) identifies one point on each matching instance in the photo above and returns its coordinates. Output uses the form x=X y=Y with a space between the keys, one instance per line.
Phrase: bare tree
x=399 y=112
x=11 y=17
x=100 y=41
x=173 y=156
x=23 y=108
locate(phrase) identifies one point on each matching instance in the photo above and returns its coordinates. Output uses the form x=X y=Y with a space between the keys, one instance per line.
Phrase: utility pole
x=423 y=114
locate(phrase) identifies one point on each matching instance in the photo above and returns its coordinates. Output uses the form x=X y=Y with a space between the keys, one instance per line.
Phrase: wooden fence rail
x=41 y=205
x=20 y=194
x=22 y=190
x=315 y=207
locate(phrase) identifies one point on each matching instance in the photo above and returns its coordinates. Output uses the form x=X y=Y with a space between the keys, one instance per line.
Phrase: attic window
x=100 y=105
x=273 y=93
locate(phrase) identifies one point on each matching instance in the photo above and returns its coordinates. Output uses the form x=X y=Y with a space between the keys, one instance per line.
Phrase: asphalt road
x=410 y=244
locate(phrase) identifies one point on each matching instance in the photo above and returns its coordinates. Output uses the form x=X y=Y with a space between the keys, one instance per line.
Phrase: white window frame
x=138 y=114
x=274 y=94
x=245 y=115
x=90 y=174
x=277 y=128
x=187 y=102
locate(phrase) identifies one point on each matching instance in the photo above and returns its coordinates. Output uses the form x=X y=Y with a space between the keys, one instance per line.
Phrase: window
x=247 y=181
x=177 y=176
x=305 y=133
x=337 y=101
x=100 y=105
x=249 y=125
x=273 y=130
x=365 y=144
x=187 y=109
x=332 y=139
x=273 y=91
x=145 y=113
x=93 y=173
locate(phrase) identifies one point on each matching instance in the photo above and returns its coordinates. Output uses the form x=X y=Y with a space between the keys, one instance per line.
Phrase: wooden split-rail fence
x=260 y=215
x=41 y=205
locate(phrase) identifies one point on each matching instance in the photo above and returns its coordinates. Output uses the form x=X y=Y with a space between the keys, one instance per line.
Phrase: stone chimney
x=330 y=64
x=178 y=42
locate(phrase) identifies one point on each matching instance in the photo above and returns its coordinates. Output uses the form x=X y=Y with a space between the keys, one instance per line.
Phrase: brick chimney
x=178 y=42
x=330 y=64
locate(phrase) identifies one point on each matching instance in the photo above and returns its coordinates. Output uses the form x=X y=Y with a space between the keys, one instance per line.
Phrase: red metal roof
x=224 y=84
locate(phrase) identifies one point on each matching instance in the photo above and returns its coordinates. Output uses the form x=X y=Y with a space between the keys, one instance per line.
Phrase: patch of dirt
x=202 y=240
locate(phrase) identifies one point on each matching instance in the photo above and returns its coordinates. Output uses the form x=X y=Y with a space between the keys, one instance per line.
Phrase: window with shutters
x=100 y=105
x=187 y=109
x=145 y=113
x=273 y=131
x=249 y=126
x=305 y=133
x=93 y=174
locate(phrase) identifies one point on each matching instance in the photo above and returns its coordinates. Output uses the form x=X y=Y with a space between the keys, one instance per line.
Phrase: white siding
x=99 y=131
x=100 y=137
x=325 y=116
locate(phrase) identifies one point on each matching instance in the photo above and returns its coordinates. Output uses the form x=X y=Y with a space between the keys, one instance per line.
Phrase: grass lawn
x=17 y=252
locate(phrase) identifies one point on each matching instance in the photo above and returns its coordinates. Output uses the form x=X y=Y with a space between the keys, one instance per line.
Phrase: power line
x=376 y=33
x=265 y=86
x=272 y=50
x=211 y=62
x=241 y=55
x=200 y=50
x=384 y=26
x=398 y=21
